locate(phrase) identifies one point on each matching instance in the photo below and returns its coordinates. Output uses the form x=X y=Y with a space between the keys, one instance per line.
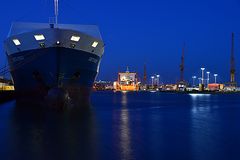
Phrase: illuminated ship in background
x=127 y=81
x=57 y=62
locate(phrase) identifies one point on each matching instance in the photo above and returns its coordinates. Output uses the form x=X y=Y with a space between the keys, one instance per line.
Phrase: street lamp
x=194 y=77
x=208 y=73
x=158 y=79
x=200 y=79
x=215 y=77
x=152 y=80
x=202 y=74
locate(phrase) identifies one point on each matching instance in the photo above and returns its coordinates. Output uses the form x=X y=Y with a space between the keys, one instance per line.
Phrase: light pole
x=215 y=77
x=152 y=80
x=200 y=79
x=194 y=77
x=158 y=79
x=208 y=76
x=202 y=75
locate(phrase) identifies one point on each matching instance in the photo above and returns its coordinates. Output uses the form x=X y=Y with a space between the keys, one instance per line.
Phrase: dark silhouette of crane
x=182 y=65
x=232 y=63
x=182 y=83
x=145 y=75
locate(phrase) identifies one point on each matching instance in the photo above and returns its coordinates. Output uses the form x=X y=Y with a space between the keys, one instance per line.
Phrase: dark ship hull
x=55 y=74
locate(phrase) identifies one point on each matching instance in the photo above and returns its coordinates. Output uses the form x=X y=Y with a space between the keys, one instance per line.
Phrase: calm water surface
x=126 y=126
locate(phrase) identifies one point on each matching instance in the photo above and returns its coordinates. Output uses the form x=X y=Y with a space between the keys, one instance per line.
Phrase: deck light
x=95 y=43
x=16 y=42
x=75 y=38
x=39 y=37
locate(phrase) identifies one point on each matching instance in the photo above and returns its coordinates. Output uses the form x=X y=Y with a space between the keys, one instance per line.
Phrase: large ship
x=54 y=62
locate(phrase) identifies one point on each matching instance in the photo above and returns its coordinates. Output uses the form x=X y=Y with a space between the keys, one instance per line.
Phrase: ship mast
x=56 y=10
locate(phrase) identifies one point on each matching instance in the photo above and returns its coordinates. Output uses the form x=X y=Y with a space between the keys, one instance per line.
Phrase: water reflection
x=35 y=133
x=5 y=112
x=181 y=126
x=199 y=102
x=124 y=100
x=125 y=135
x=194 y=95
x=203 y=126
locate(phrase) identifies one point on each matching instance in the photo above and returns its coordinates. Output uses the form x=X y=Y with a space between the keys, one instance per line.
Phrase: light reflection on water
x=128 y=125
x=198 y=104
x=125 y=135
x=194 y=95
x=204 y=126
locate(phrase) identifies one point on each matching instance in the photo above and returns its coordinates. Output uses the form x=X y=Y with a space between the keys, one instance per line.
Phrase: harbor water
x=124 y=126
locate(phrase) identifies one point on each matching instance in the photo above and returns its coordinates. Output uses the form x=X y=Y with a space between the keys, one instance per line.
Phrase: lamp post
x=215 y=77
x=158 y=79
x=208 y=77
x=202 y=75
x=152 y=80
x=200 y=79
x=194 y=77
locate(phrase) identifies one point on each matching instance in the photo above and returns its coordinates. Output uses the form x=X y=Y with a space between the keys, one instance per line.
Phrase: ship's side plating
x=65 y=58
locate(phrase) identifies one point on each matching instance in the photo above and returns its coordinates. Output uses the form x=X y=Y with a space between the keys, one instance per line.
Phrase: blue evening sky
x=146 y=31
